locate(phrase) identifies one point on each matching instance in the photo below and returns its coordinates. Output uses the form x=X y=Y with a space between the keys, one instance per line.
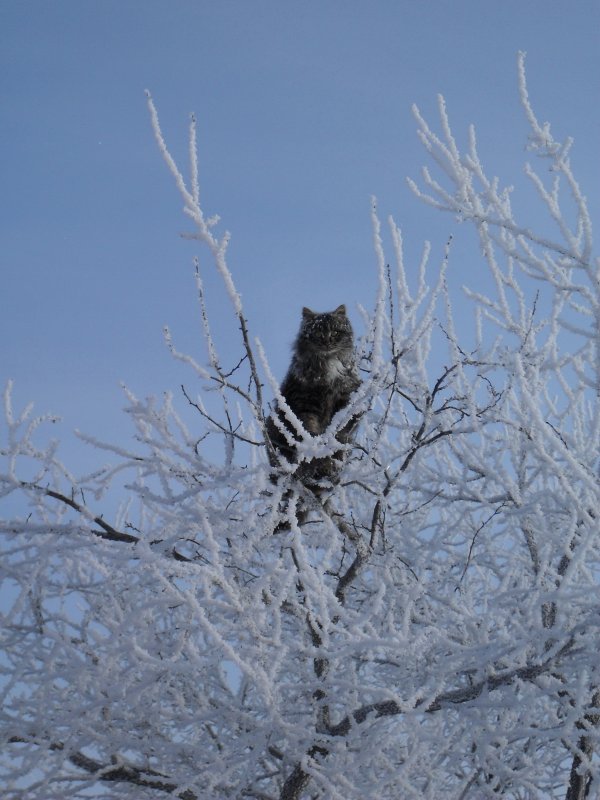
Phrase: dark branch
x=230 y=431
x=106 y=531
x=389 y=708
x=119 y=773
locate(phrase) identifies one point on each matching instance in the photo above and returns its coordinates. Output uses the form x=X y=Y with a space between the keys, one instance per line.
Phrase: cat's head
x=330 y=331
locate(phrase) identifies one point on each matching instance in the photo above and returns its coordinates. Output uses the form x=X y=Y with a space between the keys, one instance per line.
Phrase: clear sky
x=304 y=112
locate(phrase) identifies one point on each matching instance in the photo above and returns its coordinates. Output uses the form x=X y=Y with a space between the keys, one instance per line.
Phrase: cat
x=319 y=382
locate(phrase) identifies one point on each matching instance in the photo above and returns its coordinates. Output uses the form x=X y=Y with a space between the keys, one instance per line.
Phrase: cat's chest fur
x=327 y=370
x=334 y=370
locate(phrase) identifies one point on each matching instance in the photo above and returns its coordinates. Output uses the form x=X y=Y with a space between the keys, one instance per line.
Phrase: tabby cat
x=321 y=377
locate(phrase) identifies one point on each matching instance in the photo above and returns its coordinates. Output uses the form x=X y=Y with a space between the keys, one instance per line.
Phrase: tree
x=427 y=627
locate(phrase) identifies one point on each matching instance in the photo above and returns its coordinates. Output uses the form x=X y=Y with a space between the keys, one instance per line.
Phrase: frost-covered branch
x=204 y=233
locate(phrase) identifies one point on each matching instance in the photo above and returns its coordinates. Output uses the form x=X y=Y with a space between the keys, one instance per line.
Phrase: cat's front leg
x=312 y=423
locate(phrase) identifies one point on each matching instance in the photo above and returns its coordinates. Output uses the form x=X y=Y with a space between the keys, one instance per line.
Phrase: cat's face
x=330 y=331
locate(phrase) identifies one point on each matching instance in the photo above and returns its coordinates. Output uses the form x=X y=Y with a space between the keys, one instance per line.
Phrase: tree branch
x=389 y=708
x=107 y=531
x=124 y=773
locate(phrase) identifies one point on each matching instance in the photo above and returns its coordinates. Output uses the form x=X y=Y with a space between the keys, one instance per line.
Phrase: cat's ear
x=341 y=311
x=307 y=313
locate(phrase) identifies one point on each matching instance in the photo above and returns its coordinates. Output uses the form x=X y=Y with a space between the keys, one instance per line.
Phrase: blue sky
x=304 y=112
